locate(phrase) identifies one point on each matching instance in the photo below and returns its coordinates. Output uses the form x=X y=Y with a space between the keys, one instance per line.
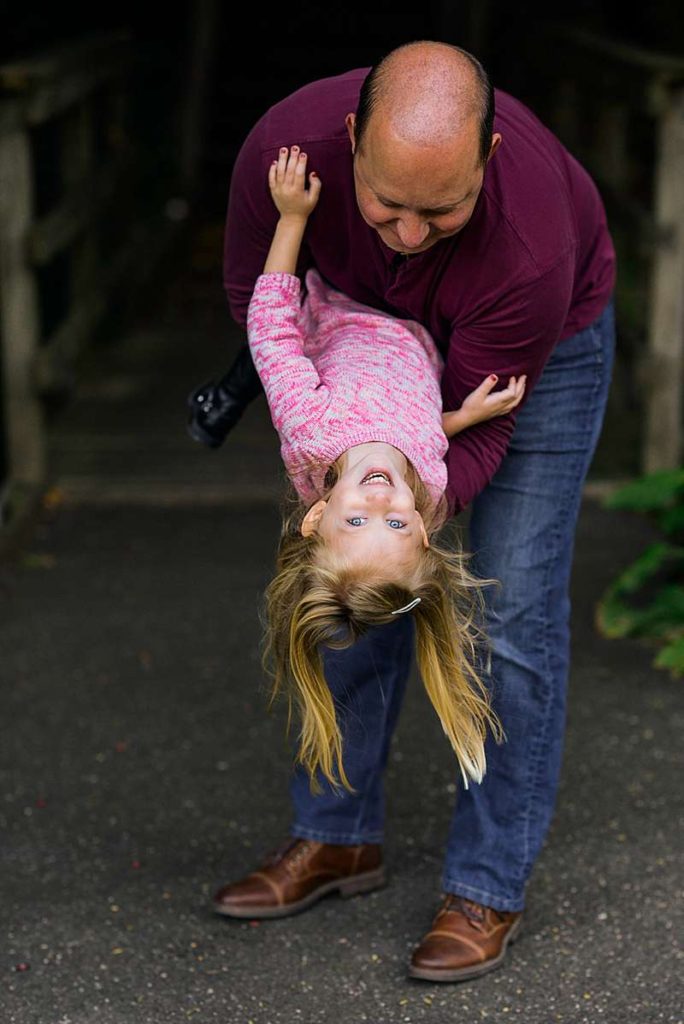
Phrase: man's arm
x=516 y=338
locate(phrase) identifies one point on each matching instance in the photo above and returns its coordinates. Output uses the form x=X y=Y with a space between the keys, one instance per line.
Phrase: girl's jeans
x=522 y=530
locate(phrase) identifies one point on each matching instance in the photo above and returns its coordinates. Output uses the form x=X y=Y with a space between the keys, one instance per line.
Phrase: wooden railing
x=620 y=110
x=72 y=203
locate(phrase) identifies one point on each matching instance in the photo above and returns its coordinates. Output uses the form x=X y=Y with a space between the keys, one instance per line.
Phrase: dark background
x=257 y=55
x=262 y=56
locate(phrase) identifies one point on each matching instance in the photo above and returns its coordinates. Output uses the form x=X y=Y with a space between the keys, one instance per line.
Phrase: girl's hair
x=318 y=600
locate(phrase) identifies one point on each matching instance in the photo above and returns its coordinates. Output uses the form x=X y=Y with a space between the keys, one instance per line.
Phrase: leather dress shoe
x=298 y=873
x=215 y=407
x=466 y=940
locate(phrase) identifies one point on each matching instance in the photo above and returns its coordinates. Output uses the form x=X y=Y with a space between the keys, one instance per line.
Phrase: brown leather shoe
x=298 y=873
x=466 y=939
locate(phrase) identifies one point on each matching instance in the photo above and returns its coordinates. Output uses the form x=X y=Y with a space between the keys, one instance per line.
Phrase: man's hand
x=287 y=181
x=481 y=405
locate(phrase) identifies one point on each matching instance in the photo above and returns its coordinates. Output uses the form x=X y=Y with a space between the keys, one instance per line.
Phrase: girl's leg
x=522 y=533
x=367 y=682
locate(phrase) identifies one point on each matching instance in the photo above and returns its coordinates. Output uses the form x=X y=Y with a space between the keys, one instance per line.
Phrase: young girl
x=354 y=394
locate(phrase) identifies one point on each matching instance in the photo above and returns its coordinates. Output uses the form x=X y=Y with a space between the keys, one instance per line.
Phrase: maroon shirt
x=533 y=265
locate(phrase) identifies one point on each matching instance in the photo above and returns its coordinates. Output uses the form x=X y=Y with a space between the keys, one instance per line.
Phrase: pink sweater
x=338 y=373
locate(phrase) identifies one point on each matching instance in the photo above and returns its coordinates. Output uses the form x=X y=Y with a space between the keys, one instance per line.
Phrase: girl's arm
x=287 y=181
x=293 y=388
x=292 y=385
x=481 y=405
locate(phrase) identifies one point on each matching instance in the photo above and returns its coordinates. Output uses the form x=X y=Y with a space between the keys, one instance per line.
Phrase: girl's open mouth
x=377 y=476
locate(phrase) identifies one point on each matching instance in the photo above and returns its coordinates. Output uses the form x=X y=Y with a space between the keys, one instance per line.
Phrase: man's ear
x=421 y=524
x=496 y=142
x=312 y=517
x=350 y=121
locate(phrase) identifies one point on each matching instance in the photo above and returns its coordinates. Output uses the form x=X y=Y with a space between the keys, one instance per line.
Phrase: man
x=484 y=229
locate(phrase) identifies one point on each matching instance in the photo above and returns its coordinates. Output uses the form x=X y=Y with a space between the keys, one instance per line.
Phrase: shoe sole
x=352 y=886
x=472 y=970
x=197 y=434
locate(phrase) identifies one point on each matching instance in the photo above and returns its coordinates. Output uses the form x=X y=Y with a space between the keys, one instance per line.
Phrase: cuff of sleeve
x=454 y=503
x=287 y=284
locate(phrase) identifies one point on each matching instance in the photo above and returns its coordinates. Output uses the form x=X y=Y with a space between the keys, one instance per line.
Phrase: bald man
x=449 y=203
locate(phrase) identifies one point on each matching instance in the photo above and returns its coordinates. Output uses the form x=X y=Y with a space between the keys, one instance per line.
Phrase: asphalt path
x=140 y=771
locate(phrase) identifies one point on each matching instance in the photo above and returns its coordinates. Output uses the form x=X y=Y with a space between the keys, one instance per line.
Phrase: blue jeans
x=522 y=529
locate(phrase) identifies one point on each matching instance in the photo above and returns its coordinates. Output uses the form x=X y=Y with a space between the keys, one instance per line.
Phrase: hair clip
x=407 y=607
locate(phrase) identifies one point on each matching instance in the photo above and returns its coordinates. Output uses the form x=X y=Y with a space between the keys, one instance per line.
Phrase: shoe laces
x=290 y=852
x=473 y=911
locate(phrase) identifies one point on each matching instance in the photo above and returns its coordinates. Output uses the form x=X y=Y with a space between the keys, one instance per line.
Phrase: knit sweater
x=338 y=373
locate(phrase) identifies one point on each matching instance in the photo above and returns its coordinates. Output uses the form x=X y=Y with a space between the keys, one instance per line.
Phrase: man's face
x=414 y=195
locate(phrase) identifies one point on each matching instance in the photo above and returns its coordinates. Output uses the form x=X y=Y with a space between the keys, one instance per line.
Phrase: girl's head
x=324 y=596
x=371 y=519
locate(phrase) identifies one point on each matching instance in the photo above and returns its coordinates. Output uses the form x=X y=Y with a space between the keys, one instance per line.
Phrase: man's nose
x=412 y=231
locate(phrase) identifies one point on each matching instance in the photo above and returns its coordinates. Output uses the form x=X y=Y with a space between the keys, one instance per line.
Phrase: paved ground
x=139 y=769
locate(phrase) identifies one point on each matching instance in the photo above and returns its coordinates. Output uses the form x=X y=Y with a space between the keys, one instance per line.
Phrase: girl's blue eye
x=395 y=524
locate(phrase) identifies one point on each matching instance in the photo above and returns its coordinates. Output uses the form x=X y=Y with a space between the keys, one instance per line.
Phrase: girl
x=354 y=394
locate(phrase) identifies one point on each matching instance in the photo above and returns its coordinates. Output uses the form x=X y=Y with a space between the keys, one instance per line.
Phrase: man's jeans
x=522 y=529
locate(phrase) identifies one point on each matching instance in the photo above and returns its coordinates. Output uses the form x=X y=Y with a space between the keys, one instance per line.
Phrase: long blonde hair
x=314 y=600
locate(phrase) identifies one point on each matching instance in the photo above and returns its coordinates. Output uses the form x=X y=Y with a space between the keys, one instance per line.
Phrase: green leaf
x=662 y=615
x=654 y=491
x=646 y=565
x=614 y=619
x=672 y=657
x=672 y=520
x=38 y=560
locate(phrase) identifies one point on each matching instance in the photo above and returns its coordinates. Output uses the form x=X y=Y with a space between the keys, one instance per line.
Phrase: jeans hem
x=343 y=838
x=488 y=899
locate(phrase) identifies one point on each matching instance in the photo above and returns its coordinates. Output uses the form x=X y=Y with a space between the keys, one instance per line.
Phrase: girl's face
x=370 y=514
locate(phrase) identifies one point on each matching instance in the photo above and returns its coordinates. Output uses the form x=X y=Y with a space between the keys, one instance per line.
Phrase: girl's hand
x=480 y=405
x=287 y=181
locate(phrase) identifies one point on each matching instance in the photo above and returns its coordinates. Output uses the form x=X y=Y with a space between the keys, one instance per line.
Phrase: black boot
x=215 y=408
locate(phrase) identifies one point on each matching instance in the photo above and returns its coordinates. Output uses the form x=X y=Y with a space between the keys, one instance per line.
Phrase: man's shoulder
x=532 y=186
x=313 y=113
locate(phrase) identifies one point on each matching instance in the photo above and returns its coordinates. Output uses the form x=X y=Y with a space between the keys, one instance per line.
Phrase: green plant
x=647 y=598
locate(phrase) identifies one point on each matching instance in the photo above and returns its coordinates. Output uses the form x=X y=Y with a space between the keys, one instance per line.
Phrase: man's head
x=421 y=138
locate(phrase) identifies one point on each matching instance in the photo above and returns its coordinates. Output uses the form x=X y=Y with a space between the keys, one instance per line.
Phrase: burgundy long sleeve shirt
x=534 y=264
